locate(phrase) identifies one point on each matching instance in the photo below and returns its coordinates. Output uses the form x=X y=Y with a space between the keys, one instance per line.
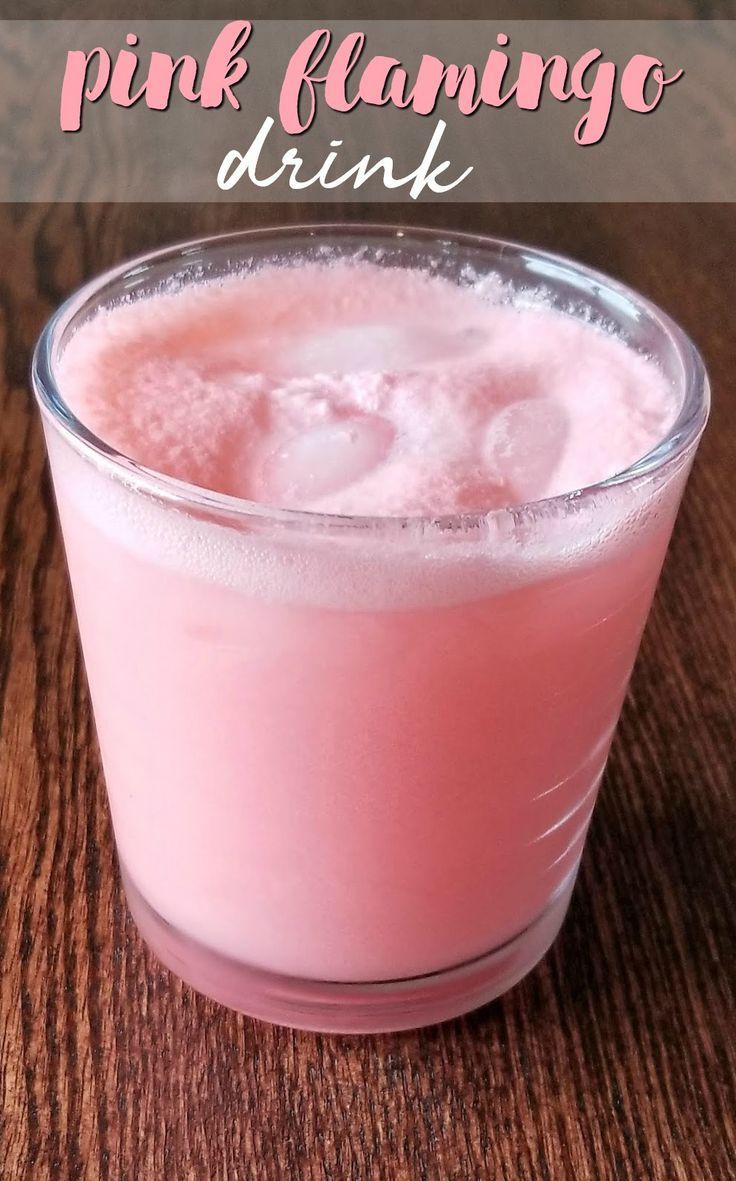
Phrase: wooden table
x=615 y=1059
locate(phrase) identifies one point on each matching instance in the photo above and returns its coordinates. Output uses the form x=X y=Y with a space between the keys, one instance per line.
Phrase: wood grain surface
x=614 y=1060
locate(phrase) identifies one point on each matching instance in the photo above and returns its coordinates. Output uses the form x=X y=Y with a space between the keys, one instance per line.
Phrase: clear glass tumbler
x=351 y=761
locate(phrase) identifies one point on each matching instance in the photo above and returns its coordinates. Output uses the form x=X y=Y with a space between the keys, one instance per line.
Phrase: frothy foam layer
x=351 y=388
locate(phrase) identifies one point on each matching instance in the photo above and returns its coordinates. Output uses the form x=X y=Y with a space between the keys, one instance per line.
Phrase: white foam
x=418 y=567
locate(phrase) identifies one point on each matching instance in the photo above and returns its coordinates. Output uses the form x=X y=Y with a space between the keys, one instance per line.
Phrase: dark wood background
x=614 y=1060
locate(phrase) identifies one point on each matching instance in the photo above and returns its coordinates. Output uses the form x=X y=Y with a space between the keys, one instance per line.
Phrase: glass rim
x=681 y=436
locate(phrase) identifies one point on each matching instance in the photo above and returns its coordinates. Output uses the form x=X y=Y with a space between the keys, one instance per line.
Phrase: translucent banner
x=367 y=110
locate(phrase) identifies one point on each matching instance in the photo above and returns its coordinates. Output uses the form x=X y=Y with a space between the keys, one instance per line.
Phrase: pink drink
x=352 y=743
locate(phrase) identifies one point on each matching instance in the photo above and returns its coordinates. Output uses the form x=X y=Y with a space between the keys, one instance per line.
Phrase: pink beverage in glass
x=363 y=527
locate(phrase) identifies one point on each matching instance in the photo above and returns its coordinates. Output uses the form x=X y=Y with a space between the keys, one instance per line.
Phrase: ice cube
x=352 y=349
x=324 y=459
x=376 y=348
x=523 y=445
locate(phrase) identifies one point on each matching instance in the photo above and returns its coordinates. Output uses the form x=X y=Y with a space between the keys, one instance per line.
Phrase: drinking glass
x=351 y=761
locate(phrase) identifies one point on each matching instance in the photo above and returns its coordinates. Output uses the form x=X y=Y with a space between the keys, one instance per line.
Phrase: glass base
x=349 y=1008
